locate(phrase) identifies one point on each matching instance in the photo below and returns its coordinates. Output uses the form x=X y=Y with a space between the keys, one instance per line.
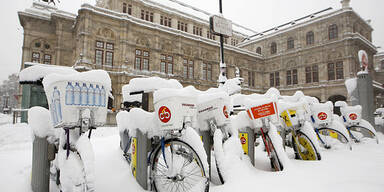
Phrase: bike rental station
x=177 y=138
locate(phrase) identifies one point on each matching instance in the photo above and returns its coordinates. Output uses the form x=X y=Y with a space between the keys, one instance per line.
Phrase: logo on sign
x=243 y=140
x=164 y=114
x=322 y=116
x=353 y=116
x=225 y=111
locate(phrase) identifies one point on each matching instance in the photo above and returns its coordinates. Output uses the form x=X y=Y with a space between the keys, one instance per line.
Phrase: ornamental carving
x=143 y=41
x=106 y=33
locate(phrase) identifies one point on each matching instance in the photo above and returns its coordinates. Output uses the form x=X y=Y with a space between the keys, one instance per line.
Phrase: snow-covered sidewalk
x=339 y=170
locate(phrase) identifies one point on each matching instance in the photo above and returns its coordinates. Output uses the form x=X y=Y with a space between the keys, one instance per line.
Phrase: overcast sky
x=256 y=14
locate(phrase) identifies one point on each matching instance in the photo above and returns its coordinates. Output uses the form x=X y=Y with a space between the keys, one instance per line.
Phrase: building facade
x=140 y=38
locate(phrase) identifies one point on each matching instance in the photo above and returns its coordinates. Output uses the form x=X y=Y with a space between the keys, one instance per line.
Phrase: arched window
x=258 y=50
x=310 y=38
x=273 y=48
x=332 y=31
x=290 y=43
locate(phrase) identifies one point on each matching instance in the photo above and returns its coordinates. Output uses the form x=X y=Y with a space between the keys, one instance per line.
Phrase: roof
x=193 y=13
x=301 y=22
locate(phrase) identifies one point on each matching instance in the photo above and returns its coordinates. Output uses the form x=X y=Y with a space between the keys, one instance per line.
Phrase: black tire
x=275 y=161
x=344 y=139
x=179 y=181
x=311 y=152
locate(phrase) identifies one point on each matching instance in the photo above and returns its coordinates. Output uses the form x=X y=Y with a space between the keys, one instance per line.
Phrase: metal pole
x=222 y=76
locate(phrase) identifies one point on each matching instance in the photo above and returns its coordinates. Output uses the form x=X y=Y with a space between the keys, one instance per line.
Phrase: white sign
x=220 y=26
x=363 y=58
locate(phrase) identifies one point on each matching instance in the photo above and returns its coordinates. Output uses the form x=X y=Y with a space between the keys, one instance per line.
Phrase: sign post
x=222 y=27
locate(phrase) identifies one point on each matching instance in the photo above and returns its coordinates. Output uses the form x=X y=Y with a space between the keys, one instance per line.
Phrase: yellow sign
x=134 y=156
x=244 y=142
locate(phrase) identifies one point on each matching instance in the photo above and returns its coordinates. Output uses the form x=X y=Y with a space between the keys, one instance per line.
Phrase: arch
x=258 y=50
x=335 y=98
x=143 y=41
x=106 y=33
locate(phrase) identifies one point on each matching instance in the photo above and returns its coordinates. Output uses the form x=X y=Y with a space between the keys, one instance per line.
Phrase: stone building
x=140 y=38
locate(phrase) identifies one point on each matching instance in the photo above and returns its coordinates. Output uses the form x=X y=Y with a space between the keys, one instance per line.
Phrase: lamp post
x=223 y=66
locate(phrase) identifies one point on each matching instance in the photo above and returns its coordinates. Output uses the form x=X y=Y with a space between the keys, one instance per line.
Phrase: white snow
x=351 y=85
x=94 y=76
x=38 y=71
x=149 y=84
x=39 y=120
x=339 y=169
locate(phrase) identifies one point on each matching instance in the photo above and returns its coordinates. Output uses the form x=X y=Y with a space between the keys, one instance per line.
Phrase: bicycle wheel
x=323 y=134
x=177 y=167
x=274 y=158
x=363 y=131
x=304 y=147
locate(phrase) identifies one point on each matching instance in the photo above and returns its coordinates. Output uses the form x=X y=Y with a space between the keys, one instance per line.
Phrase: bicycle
x=213 y=115
x=77 y=111
x=301 y=136
x=261 y=112
x=352 y=120
x=176 y=159
x=327 y=128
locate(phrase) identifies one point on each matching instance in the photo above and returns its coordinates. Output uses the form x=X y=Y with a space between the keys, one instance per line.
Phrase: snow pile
x=39 y=120
x=84 y=148
x=351 y=85
x=94 y=76
x=278 y=145
x=149 y=84
x=138 y=119
x=5 y=119
x=39 y=71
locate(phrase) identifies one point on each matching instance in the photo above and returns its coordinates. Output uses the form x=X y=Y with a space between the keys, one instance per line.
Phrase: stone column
x=365 y=96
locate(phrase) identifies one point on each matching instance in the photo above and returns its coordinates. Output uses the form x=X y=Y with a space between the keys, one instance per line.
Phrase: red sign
x=243 y=140
x=225 y=111
x=322 y=116
x=353 y=116
x=164 y=114
x=263 y=110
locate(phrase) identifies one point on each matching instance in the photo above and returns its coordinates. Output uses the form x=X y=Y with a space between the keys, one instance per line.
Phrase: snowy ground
x=340 y=170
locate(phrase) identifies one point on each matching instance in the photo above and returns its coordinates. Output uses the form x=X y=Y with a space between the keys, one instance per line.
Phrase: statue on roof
x=51 y=1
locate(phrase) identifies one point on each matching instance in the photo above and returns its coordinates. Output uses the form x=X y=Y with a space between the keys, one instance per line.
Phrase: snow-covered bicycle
x=356 y=126
x=177 y=160
x=77 y=104
x=301 y=135
x=328 y=129
x=262 y=114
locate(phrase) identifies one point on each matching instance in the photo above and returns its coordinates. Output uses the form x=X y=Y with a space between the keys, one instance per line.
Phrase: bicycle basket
x=69 y=95
x=322 y=114
x=351 y=114
x=171 y=111
x=214 y=110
